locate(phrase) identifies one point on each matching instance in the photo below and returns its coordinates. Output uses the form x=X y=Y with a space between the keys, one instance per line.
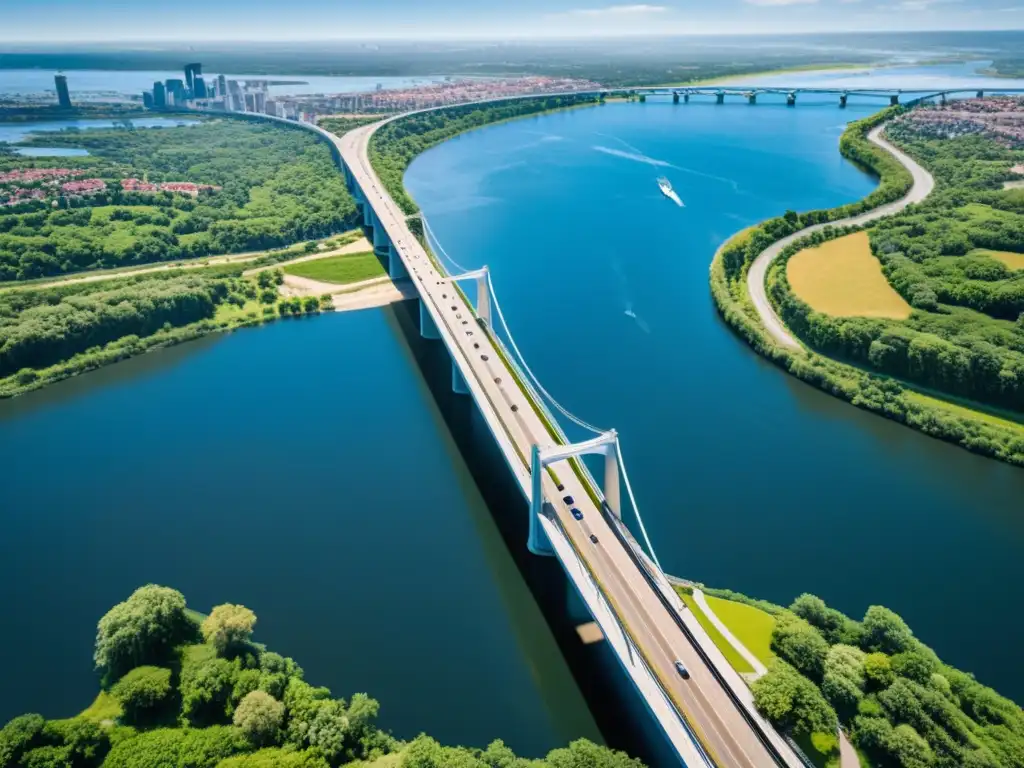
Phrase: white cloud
x=781 y=2
x=639 y=9
x=920 y=5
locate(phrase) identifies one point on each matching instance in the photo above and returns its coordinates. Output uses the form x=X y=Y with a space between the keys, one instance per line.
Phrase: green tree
x=885 y=631
x=792 y=702
x=274 y=757
x=913 y=665
x=260 y=716
x=800 y=644
x=206 y=689
x=18 y=736
x=142 y=630
x=142 y=693
x=228 y=627
x=909 y=749
x=586 y=754
x=878 y=671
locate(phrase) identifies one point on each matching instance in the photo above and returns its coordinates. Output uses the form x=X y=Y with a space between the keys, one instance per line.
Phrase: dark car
x=682 y=670
x=576 y=513
x=593 y=538
x=569 y=500
x=561 y=487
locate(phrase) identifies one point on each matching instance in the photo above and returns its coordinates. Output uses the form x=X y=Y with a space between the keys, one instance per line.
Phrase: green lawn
x=339 y=269
x=105 y=707
x=752 y=626
x=731 y=655
x=821 y=748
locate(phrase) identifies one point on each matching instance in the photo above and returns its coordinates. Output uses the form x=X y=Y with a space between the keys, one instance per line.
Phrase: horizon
x=261 y=21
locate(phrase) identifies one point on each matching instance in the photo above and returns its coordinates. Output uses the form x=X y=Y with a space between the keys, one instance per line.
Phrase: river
x=746 y=478
x=302 y=469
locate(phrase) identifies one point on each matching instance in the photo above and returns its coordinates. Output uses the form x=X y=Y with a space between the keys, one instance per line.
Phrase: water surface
x=746 y=477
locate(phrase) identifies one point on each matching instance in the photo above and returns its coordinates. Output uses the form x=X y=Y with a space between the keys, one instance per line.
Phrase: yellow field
x=844 y=279
x=1012 y=260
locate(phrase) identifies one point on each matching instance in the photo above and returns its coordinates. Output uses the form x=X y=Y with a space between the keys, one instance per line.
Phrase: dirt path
x=375 y=292
x=921 y=188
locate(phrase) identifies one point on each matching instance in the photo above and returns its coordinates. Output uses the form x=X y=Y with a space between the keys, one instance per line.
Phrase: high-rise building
x=192 y=71
x=63 y=95
x=176 y=89
x=222 y=86
x=159 y=95
x=147 y=99
x=198 y=88
x=260 y=102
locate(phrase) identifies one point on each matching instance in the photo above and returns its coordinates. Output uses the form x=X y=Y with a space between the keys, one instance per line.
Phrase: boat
x=667 y=191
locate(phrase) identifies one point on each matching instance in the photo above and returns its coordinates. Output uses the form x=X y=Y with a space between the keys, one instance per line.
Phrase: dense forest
x=178 y=691
x=901 y=705
x=270 y=187
x=395 y=145
x=966 y=334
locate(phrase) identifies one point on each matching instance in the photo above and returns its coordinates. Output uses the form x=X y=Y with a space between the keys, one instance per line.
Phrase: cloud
x=780 y=2
x=920 y=5
x=639 y=9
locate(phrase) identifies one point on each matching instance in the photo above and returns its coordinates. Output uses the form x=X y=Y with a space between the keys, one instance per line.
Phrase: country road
x=922 y=187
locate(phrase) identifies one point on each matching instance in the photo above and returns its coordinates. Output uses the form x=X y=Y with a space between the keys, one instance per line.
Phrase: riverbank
x=738 y=286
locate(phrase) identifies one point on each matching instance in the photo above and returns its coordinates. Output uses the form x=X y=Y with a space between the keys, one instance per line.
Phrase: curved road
x=922 y=187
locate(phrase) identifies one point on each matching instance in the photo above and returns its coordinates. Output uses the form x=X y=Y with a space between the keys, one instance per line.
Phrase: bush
x=177 y=748
x=142 y=630
x=142 y=693
x=878 y=671
x=206 y=688
x=276 y=758
x=800 y=644
x=885 y=631
x=259 y=716
x=18 y=736
x=792 y=702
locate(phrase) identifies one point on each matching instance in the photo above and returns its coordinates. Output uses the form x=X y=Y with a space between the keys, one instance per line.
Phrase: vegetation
x=394 y=145
x=342 y=270
x=342 y=125
x=842 y=278
x=751 y=626
x=232 y=705
x=931 y=348
x=734 y=658
x=273 y=187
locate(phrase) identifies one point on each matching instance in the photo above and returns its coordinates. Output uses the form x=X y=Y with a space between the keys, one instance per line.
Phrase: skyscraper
x=222 y=87
x=63 y=96
x=192 y=71
x=147 y=99
x=159 y=95
x=176 y=88
x=198 y=88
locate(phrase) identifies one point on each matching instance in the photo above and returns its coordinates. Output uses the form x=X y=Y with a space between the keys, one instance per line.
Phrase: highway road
x=723 y=728
x=922 y=187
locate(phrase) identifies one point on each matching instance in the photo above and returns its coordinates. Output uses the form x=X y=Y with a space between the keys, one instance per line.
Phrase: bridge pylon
x=483 y=295
x=606 y=444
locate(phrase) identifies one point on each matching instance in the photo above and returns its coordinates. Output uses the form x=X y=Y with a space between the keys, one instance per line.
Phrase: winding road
x=921 y=188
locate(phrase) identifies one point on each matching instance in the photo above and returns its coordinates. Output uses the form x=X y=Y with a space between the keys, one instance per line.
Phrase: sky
x=29 y=21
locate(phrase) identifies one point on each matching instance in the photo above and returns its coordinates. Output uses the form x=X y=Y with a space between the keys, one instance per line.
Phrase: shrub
x=142 y=692
x=800 y=644
x=878 y=671
x=183 y=747
x=276 y=758
x=259 y=716
x=792 y=702
x=885 y=631
x=228 y=627
x=206 y=688
x=18 y=736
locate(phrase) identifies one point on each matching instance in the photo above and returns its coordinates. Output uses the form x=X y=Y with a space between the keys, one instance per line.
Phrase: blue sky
x=101 y=20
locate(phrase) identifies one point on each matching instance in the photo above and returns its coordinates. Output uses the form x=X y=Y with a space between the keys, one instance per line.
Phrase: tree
x=800 y=644
x=228 y=627
x=913 y=666
x=907 y=746
x=275 y=758
x=585 y=754
x=206 y=689
x=18 y=736
x=259 y=716
x=878 y=671
x=885 y=631
x=142 y=630
x=792 y=702
x=142 y=692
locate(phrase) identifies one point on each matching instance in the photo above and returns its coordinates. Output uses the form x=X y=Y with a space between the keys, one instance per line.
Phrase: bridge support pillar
x=752 y=98
x=367 y=214
x=675 y=97
x=942 y=99
x=396 y=267
x=981 y=94
x=643 y=97
x=537 y=541
x=686 y=98
x=791 y=100
x=842 y=100
x=381 y=245
x=428 y=328
x=719 y=98
x=894 y=99
x=459 y=385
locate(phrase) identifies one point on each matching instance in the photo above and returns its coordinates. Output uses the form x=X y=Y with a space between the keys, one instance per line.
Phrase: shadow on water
x=618 y=710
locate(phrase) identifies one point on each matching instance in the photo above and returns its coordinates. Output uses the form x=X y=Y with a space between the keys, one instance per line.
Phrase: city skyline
x=256 y=20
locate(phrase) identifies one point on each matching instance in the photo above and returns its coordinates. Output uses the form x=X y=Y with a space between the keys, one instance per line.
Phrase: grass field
x=751 y=626
x=1010 y=259
x=339 y=269
x=105 y=707
x=842 y=278
x=731 y=655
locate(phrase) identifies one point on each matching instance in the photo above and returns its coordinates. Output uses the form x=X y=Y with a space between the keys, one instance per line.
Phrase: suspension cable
x=632 y=500
x=431 y=236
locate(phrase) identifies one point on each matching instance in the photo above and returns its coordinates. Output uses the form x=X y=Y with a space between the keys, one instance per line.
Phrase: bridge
x=750 y=93
x=708 y=719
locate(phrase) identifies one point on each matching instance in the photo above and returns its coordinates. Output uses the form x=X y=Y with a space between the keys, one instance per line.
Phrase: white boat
x=667 y=191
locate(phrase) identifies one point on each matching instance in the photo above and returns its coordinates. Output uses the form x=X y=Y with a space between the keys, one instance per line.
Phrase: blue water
x=15 y=132
x=746 y=478
x=50 y=152
x=303 y=470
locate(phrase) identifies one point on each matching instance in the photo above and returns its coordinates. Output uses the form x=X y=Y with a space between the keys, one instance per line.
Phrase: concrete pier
x=686 y=98
x=751 y=98
x=459 y=385
x=791 y=100
x=428 y=328
x=842 y=100
x=720 y=98
x=894 y=99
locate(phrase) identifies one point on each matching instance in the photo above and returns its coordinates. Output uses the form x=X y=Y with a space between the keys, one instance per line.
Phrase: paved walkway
x=759 y=669
x=921 y=188
x=847 y=754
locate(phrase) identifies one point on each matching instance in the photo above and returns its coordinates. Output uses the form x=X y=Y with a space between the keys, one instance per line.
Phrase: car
x=561 y=487
x=485 y=358
x=569 y=500
x=576 y=513
x=475 y=345
x=497 y=379
x=593 y=538
x=682 y=670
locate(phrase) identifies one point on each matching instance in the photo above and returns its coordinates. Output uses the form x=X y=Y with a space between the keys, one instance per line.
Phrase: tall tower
x=191 y=72
x=159 y=95
x=63 y=96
